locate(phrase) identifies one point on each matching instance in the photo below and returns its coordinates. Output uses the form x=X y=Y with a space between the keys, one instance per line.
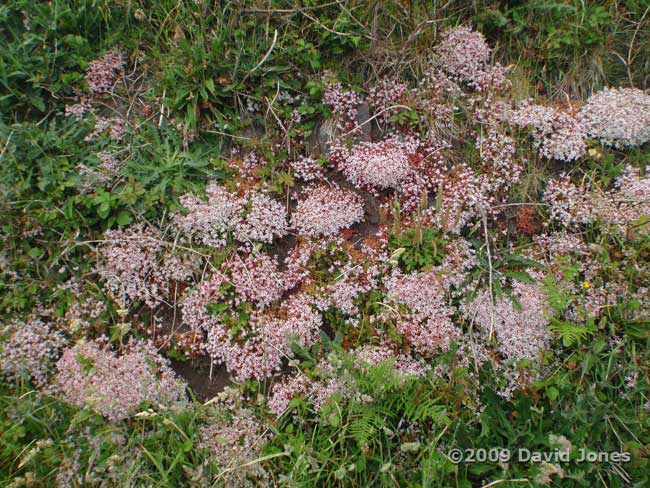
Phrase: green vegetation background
x=196 y=59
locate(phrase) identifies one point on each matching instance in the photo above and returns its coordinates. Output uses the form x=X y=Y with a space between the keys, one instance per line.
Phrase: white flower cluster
x=30 y=350
x=254 y=217
x=425 y=321
x=619 y=207
x=90 y=375
x=136 y=266
x=463 y=199
x=384 y=95
x=128 y=260
x=307 y=168
x=522 y=331
x=343 y=104
x=101 y=73
x=263 y=218
x=465 y=55
x=252 y=341
x=619 y=117
x=567 y=203
x=326 y=210
x=378 y=165
x=463 y=52
x=557 y=135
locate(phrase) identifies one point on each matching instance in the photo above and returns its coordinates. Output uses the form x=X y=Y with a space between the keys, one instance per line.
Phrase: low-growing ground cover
x=333 y=244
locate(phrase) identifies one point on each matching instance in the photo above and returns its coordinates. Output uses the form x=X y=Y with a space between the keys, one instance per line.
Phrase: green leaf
x=209 y=84
x=571 y=334
x=124 y=218
x=520 y=276
x=36 y=252
x=104 y=210
x=516 y=258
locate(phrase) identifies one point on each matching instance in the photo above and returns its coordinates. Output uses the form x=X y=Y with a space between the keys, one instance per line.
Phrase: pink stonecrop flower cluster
x=567 y=203
x=436 y=94
x=422 y=313
x=251 y=341
x=253 y=217
x=343 y=104
x=324 y=211
x=465 y=55
x=500 y=170
x=285 y=390
x=384 y=95
x=101 y=73
x=463 y=52
x=557 y=135
x=129 y=258
x=263 y=218
x=30 y=351
x=619 y=117
x=90 y=375
x=250 y=164
x=351 y=280
x=462 y=197
x=256 y=278
x=233 y=437
x=136 y=265
x=521 y=330
x=307 y=168
x=380 y=165
x=626 y=203
x=78 y=110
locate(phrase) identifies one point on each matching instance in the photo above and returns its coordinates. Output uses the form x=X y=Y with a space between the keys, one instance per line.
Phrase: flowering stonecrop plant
x=521 y=326
x=378 y=166
x=461 y=200
x=463 y=52
x=356 y=220
x=209 y=221
x=418 y=304
x=343 y=104
x=324 y=211
x=557 y=135
x=307 y=168
x=619 y=117
x=255 y=216
x=232 y=308
x=101 y=77
x=263 y=218
x=91 y=375
x=30 y=350
x=129 y=258
x=624 y=205
x=465 y=55
x=347 y=285
x=385 y=97
x=500 y=169
x=101 y=73
x=137 y=266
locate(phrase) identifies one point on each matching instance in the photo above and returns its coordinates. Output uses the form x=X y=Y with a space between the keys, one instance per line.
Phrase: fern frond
x=571 y=334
